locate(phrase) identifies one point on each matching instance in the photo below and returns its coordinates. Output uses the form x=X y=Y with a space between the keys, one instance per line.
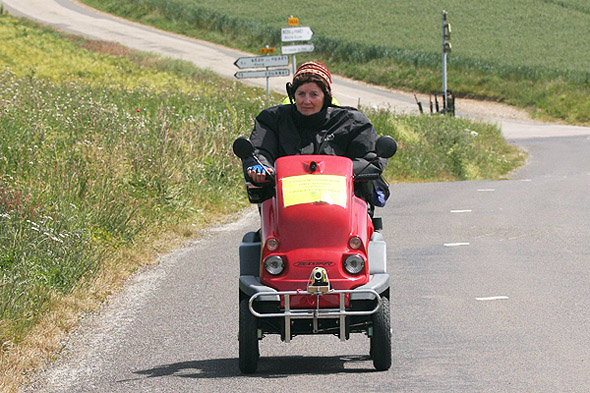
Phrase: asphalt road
x=489 y=285
x=489 y=293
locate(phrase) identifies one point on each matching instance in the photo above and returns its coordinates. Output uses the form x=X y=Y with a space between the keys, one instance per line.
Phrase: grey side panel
x=377 y=254
x=249 y=256
x=251 y=285
x=379 y=283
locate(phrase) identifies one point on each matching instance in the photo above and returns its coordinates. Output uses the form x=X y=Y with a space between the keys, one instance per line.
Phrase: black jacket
x=342 y=131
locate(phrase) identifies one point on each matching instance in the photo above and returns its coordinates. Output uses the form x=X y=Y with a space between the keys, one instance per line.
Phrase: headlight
x=355 y=242
x=354 y=264
x=272 y=244
x=274 y=265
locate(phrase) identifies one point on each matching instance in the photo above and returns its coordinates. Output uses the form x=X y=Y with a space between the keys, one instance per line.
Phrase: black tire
x=248 y=339
x=381 y=339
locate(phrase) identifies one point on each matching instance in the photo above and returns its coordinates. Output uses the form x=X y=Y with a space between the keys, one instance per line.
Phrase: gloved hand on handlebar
x=257 y=168
x=258 y=174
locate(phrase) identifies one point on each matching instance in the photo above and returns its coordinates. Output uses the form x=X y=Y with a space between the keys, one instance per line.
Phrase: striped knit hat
x=317 y=69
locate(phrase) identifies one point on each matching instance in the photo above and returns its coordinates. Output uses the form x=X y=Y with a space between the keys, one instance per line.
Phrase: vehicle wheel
x=381 y=339
x=248 y=338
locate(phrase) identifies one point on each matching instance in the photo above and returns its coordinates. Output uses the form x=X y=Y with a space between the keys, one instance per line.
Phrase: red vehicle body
x=317 y=265
x=316 y=234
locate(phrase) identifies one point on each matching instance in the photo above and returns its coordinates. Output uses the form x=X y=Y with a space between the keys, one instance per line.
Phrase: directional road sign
x=292 y=49
x=289 y=34
x=262 y=61
x=262 y=73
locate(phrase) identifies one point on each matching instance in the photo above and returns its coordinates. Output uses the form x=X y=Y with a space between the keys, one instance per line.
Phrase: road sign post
x=268 y=73
x=261 y=61
x=294 y=34
x=446 y=48
x=265 y=62
x=291 y=34
x=292 y=49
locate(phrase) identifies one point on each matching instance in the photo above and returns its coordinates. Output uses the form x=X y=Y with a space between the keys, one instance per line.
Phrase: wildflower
x=34 y=224
x=53 y=237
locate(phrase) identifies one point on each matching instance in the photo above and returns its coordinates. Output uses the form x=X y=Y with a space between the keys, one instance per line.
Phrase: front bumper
x=371 y=291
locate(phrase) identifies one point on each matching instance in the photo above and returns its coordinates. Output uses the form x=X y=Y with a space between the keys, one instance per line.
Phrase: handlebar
x=366 y=176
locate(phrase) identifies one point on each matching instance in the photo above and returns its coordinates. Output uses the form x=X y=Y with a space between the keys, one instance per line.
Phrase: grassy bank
x=530 y=54
x=103 y=151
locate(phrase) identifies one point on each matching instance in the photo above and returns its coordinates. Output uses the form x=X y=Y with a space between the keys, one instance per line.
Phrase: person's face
x=309 y=98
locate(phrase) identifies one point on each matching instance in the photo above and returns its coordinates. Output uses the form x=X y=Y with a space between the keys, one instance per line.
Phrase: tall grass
x=442 y=148
x=87 y=169
x=530 y=54
x=92 y=159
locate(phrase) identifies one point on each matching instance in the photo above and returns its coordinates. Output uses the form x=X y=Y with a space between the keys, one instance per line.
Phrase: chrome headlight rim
x=274 y=265
x=354 y=264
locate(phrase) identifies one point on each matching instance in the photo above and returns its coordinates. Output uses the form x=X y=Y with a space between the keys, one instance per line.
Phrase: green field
x=530 y=53
x=524 y=33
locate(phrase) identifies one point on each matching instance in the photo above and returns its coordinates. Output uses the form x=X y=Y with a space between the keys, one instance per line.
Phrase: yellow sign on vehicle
x=302 y=189
x=293 y=21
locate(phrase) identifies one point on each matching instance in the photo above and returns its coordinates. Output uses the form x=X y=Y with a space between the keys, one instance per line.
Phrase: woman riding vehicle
x=312 y=124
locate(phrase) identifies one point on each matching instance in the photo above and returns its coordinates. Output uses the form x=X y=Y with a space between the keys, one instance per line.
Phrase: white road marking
x=491 y=298
x=485 y=190
x=461 y=211
x=455 y=244
x=517 y=237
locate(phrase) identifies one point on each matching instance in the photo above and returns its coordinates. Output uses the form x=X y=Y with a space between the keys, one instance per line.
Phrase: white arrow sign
x=289 y=34
x=292 y=49
x=262 y=61
x=262 y=73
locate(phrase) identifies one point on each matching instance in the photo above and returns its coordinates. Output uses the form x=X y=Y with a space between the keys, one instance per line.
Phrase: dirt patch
x=488 y=109
x=108 y=48
x=475 y=108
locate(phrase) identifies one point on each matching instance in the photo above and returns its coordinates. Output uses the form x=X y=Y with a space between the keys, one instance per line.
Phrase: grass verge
x=109 y=157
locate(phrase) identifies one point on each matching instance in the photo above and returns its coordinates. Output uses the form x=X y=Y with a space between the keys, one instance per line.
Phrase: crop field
x=550 y=34
x=500 y=48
